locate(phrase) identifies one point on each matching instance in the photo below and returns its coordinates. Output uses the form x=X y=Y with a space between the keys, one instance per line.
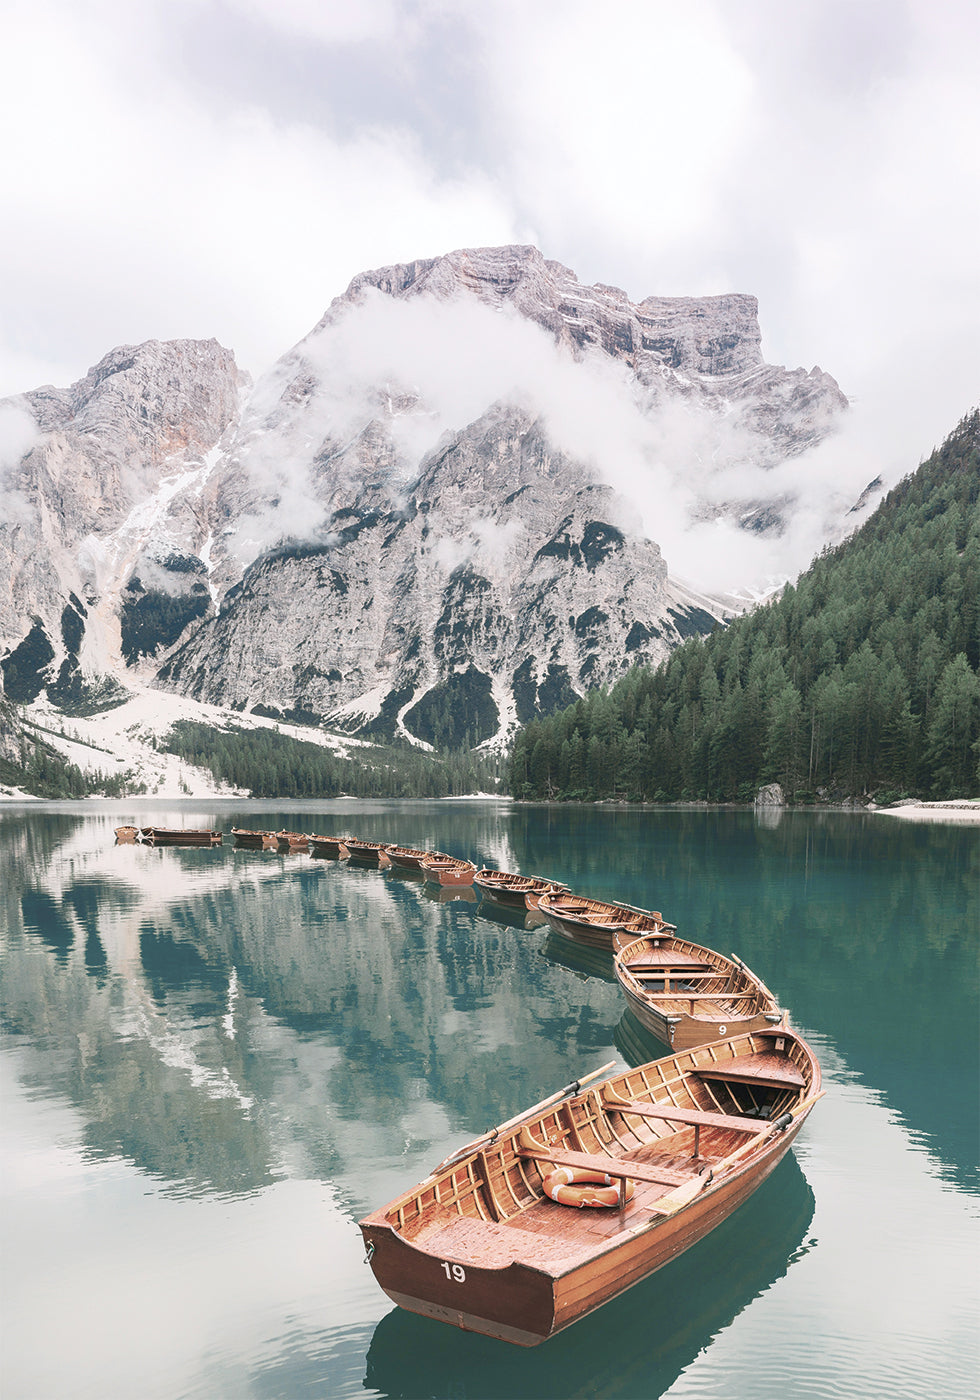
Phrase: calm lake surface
x=214 y=1062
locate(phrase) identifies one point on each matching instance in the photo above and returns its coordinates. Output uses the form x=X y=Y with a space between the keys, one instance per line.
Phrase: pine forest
x=861 y=680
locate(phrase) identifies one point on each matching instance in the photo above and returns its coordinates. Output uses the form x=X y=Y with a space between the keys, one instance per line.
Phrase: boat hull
x=480 y=1242
x=254 y=840
x=164 y=836
x=710 y=996
x=449 y=875
x=526 y=1306
x=405 y=858
x=331 y=846
x=292 y=841
x=513 y=891
x=684 y=1032
x=595 y=923
x=366 y=853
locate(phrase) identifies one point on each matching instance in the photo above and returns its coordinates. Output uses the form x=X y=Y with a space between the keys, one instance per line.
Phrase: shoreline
x=963 y=810
x=960 y=811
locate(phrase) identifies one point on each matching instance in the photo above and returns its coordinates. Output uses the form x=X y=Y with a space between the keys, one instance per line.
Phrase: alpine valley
x=419 y=525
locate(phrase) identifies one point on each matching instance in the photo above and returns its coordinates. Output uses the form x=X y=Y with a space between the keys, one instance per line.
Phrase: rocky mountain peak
x=355 y=553
x=706 y=336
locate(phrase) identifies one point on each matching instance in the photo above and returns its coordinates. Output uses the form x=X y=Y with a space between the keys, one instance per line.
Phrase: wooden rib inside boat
x=479 y=1243
x=176 y=836
x=254 y=840
x=596 y=922
x=408 y=857
x=685 y=994
x=366 y=852
x=516 y=891
x=448 y=870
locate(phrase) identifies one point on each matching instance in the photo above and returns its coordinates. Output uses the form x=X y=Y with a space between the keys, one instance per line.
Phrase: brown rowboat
x=366 y=852
x=254 y=840
x=687 y=995
x=292 y=841
x=480 y=1245
x=595 y=922
x=176 y=836
x=448 y=870
x=517 y=891
x=327 y=846
x=408 y=857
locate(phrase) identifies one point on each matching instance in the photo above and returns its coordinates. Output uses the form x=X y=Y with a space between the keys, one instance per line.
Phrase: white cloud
x=18 y=435
x=198 y=169
x=670 y=468
x=327 y=21
x=139 y=213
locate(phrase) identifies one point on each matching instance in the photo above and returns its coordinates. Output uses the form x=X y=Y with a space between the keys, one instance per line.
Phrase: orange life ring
x=571 y=1186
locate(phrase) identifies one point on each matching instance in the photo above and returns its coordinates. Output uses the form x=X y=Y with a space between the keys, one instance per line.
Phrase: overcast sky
x=224 y=167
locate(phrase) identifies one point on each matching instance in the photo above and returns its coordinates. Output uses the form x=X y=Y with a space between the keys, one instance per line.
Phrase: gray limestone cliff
x=341 y=545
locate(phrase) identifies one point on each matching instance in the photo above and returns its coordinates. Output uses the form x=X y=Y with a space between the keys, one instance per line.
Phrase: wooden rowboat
x=126 y=835
x=595 y=922
x=686 y=995
x=480 y=1244
x=292 y=841
x=366 y=852
x=176 y=836
x=448 y=870
x=517 y=891
x=332 y=846
x=254 y=840
x=408 y=857
x=642 y=1341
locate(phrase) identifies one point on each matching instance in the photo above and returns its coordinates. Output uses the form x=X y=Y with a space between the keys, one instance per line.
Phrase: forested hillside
x=267 y=764
x=862 y=679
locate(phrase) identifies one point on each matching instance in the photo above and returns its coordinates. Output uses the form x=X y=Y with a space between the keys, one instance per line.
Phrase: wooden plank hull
x=514 y=891
x=366 y=852
x=685 y=1031
x=526 y=1306
x=408 y=857
x=172 y=836
x=595 y=923
x=254 y=840
x=292 y=841
x=686 y=994
x=479 y=1245
x=448 y=871
x=330 y=846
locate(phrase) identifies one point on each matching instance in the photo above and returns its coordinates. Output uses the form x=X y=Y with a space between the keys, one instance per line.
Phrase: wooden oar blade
x=680 y=1196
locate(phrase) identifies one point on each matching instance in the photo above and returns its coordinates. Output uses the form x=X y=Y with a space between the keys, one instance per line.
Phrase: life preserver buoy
x=572 y=1186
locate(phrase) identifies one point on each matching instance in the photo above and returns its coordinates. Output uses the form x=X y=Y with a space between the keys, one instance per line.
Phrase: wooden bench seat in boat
x=770 y=1071
x=697 y=1118
x=597 y=1162
x=644 y=972
x=720 y=997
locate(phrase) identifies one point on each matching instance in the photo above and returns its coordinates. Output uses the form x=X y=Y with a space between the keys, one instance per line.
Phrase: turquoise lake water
x=214 y=1062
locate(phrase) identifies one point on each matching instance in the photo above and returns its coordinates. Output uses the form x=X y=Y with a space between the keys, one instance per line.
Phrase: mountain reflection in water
x=230 y=1032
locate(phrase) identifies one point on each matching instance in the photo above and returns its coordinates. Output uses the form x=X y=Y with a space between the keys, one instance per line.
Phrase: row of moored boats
x=501 y=1237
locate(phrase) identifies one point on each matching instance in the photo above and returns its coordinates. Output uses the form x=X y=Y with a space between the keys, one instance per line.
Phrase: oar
x=781 y=1124
x=681 y=1195
x=493 y=1133
x=745 y=968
